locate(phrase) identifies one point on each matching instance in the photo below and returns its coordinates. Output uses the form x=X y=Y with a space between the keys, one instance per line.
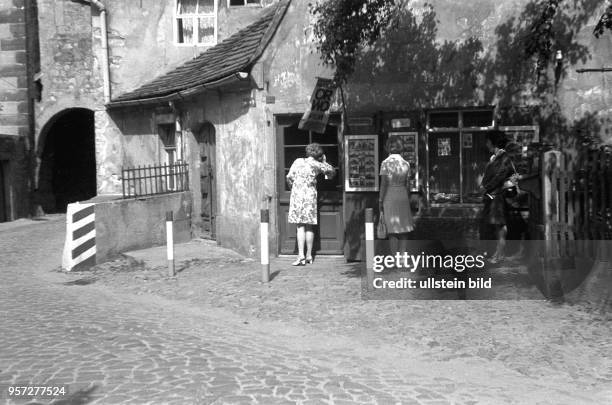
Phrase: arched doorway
x=68 y=160
x=206 y=143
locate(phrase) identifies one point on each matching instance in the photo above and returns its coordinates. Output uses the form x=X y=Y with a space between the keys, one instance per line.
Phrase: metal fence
x=143 y=181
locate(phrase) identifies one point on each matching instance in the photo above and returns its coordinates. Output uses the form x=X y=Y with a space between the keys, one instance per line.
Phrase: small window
x=168 y=138
x=234 y=3
x=444 y=120
x=478 y=119
x=196 y=22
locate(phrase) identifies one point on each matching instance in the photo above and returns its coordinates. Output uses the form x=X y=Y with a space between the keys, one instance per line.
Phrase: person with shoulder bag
x=498 y=170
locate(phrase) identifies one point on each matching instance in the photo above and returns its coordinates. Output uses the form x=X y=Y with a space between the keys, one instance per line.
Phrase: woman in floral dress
x=302 y=179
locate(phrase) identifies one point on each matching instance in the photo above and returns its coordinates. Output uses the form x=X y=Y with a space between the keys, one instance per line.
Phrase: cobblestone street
x=125 y=334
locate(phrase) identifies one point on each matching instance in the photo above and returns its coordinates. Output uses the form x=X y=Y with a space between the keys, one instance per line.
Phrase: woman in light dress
x=302 y=179
x=394 y=199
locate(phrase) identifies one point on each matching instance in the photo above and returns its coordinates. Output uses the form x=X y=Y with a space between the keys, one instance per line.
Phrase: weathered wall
x=141 y=47
x=244 y=163
x=15 y=112
x=124 y=225
x=141 y=38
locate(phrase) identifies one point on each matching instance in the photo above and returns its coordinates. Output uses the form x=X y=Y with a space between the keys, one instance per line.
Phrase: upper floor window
x=196 y=22
x=244 y=3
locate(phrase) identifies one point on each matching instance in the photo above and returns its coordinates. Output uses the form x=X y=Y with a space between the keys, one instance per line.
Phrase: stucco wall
x=467 y=53
x=124 y=225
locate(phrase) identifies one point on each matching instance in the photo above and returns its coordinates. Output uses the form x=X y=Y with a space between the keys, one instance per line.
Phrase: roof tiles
x=235 y=54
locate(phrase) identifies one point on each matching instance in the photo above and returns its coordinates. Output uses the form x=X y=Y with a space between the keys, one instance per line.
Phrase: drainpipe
x=105 y=62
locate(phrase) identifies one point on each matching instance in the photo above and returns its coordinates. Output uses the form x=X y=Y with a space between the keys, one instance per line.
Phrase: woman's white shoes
x=299 y=262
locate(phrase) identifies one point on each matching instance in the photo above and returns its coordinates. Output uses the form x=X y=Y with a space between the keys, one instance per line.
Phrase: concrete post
x=369 y=245
x=170 y=242
x=265 y=248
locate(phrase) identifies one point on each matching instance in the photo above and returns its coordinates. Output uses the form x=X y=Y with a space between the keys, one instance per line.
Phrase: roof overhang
x=235 y=81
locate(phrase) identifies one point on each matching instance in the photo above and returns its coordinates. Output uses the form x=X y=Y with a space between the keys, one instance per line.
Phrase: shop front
x=446 y=149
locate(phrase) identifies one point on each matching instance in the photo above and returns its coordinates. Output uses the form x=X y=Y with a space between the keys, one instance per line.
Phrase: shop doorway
x=68 y=161
x=291 y=145
x=206 y=142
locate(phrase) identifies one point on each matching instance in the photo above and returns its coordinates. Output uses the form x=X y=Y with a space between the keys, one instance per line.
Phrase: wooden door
x=206 y=143
x=329 y=234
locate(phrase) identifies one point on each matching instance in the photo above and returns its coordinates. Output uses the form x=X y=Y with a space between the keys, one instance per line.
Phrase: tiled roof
x=235 y=54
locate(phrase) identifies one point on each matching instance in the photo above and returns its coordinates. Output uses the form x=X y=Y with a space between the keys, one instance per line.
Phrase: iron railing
x=143 y=181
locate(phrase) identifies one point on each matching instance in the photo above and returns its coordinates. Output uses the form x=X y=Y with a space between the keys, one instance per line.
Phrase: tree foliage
x=543 y=35
x=343 y=28
x=605 y=22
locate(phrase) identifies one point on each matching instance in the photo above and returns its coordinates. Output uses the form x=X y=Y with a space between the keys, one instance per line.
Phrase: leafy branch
x=343 y=28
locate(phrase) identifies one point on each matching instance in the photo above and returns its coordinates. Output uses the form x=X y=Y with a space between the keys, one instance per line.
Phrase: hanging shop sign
x=315 y=119
x=361 y=163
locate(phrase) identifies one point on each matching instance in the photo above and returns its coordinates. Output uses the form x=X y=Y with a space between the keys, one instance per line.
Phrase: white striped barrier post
x=369 y=245
x=80 y=246
x=265 y=247
x=170 y=242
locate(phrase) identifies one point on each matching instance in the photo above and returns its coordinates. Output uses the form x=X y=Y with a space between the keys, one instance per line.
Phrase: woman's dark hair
x=314 y=150
x=497 y=138
x=394 y=144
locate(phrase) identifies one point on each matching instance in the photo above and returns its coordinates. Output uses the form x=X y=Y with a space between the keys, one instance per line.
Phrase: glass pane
x=444 y=120
x=331 y=154
x=292 y=153
x=186 y=6
x=206 y=6
x=478 y=118
x=253 y=1
x=444 y=167
x=475 y=158
x=206 y=30
x=185 y=30
x=295 y=136
x=236 y=2
x=330 y=136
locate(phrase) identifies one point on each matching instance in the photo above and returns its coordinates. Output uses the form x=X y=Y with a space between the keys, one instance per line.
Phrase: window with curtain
x=196 y=22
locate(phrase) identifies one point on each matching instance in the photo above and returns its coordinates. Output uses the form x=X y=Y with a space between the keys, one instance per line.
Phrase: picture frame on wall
x=410 y=153
x=361 y=163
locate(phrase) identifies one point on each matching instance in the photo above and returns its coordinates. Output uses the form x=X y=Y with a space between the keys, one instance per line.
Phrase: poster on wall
x=520 y=139
x=410 y=154
x=468 y=141
x=361 y=163
x=444 y=147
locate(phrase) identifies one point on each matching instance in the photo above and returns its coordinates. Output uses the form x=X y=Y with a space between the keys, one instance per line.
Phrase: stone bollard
x=170 y=242
x=369 y=245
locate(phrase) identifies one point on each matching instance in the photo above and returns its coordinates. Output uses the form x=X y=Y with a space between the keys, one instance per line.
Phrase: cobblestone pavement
x=213 y=335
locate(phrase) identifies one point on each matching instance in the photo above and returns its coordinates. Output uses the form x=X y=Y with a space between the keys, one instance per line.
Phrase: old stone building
x=221 y=85
x=17 y=45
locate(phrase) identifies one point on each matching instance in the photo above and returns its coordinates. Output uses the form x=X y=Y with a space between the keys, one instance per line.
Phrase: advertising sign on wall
x=315 y=119
x=361 y=162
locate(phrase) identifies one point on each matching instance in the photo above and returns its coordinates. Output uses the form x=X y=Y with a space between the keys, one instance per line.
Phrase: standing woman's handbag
x=381 y=229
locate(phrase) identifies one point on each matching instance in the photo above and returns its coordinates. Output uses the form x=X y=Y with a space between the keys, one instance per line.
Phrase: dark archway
x=68 y=160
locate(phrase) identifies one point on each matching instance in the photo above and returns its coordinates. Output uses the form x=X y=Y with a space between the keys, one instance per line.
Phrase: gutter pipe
x=104 y=39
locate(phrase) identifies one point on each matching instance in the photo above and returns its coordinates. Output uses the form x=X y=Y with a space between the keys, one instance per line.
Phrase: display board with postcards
x=520 y=145
x=361 y=163
x=410 y=154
